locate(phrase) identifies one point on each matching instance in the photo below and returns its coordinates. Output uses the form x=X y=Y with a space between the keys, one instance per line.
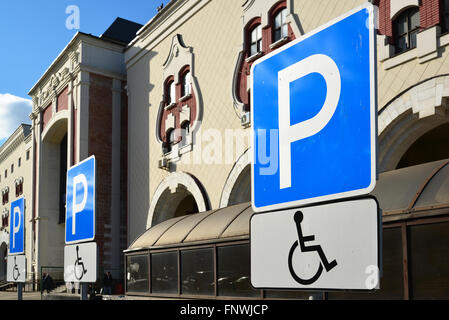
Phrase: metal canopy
x=406 y=190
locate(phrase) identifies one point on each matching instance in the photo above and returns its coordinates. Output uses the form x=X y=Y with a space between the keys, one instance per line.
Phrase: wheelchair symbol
x=15 y=272
x=302 y=240
x=79 y=266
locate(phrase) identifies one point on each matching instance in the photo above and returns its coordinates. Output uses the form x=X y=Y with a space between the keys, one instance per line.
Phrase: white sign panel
x=331 y=246
x=16 y=268
x=80 y=262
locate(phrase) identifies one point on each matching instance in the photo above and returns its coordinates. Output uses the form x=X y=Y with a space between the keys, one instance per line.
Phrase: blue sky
x=33 y=33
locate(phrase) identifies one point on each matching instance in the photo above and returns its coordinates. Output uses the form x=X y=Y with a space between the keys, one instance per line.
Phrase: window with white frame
x=186 y=88
x=280 y=30
x=406 y=28
x=256 y=40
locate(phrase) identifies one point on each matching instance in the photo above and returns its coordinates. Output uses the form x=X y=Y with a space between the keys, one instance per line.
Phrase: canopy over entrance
x=411 y=192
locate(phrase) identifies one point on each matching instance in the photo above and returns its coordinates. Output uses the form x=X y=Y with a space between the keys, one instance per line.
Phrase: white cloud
x=13 y=111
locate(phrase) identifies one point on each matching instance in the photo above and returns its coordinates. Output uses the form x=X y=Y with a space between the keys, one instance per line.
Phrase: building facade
x=80 y=110
x=15 y=182
x=188 y=95
x=166 y=110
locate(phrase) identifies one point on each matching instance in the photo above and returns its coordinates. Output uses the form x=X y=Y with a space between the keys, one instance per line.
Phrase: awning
x=409 y=190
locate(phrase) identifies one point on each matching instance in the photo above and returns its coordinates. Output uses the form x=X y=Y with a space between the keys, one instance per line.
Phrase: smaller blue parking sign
x=17 y=227
x=80 y=204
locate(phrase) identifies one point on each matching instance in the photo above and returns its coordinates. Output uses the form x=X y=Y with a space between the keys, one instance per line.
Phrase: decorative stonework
x=261 y=11
x=172 y=182
x=409 y=116
x=171 y=116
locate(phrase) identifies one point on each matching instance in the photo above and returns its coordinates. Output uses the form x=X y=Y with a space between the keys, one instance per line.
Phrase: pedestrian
x=107 y=283
x=47 y=283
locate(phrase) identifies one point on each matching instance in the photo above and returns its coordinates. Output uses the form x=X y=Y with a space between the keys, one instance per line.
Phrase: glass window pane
x=253 y=50
x=278 y=21
x=197 y=272
x=186 y=83
x=137 y=274
x=401 y=25
x=391 y=283
x=254 y=35
x=259 y=32
x=284 y=30
x=172 y=92
x=429 y=261
x=284 y=15
x=413 y=39
x=164 y=272
x=277 y=35
x=414 y=19
x=234 y=271
x=401 y=44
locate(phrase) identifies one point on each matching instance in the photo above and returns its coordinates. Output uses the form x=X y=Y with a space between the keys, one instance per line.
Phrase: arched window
x=186 y=87
x=256 y=40
x=406 y=27
x=280 y=29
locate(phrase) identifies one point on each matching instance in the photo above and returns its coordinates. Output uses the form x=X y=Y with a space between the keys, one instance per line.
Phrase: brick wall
x=123 y=174
x=429 y=13
x=63 y=101
x=47 y=114
x=385 y=25
x=100 y=145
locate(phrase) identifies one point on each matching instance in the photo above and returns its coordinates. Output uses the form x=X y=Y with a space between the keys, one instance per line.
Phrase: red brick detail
x=176 y=110
x=429 y=13
x=100 y=145
x=267 y=39
x=63 y=100
x=47 y=114
x=124 y=167
x=385 y=24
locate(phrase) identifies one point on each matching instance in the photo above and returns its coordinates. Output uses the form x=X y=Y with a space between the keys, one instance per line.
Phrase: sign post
x=314 y=142
x=80 y=252
x=16 y=265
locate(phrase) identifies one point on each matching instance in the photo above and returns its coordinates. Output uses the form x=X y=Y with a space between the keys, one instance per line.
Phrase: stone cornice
x=13 y=142
x=63 y=68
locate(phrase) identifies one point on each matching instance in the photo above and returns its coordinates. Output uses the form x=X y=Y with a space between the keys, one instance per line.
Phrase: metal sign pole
x=19 y=291
x=83 y=291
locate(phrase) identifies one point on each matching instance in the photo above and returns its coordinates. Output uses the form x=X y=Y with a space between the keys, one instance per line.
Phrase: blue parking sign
x=17 y=227
x=314 y=116
x=80 y=203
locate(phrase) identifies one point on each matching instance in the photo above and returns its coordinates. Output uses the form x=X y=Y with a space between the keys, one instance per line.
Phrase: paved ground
x=4 y=295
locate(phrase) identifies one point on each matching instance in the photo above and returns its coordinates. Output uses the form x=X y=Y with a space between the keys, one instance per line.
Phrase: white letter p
x=16 y=228
x=288 y=134
x=78 y=207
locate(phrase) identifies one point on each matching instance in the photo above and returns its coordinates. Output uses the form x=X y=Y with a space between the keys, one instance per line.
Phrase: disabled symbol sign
x=329 y=246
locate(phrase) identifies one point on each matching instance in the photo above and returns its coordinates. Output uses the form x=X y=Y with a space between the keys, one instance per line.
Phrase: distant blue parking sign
x=314 y=116
x=80 y=204
x=17 y=227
